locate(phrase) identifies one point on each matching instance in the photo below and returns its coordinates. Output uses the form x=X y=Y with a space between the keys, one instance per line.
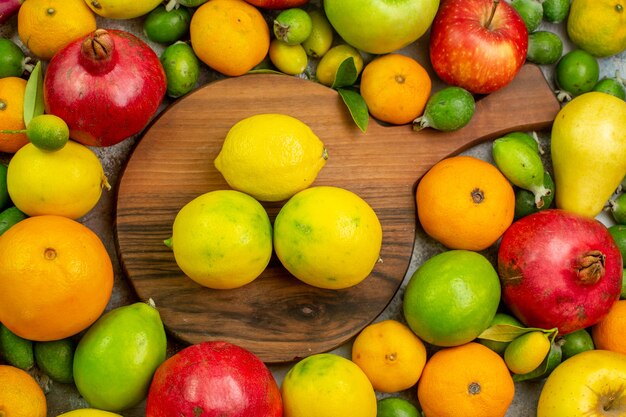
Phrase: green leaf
x=33 y=96
x=356 y=106
x=346 y=74
x=508 y=332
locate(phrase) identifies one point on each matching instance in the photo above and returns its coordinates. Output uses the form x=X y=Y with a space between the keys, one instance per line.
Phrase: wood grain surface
x=276 y=316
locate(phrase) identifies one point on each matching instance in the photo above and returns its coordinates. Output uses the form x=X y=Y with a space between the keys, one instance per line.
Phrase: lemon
x=89 y=412
x=222 y=239
x=122 y=9
x=598 y=26
x=270 y=156
x=327 y=237
x=67 y=182
x=526 y=352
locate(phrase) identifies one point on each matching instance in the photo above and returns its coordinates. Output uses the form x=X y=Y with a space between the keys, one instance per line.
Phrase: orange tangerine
x=12 y=91
x=20 y=395
x=608 y=333
x=395 y=88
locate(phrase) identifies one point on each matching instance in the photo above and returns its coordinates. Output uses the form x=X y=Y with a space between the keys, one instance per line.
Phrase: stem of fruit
x=540 y=192
x=493 y=12
x=171 y=5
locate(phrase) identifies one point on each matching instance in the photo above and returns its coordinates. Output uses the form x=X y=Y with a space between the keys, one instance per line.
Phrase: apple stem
x=493 y=12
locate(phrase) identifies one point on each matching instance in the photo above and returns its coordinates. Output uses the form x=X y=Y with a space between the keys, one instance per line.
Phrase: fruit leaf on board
x=33 y=96
x=356 y=106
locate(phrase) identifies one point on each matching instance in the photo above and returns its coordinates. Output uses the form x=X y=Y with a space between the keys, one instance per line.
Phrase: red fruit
x=559 y=269
x=479 y=45
x=106 y=86
x=277 y=4
x=214 y=379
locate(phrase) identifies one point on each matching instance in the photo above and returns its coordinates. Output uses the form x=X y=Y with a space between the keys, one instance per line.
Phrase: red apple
x=277 y=4
x=214 y=379
x=479 y=45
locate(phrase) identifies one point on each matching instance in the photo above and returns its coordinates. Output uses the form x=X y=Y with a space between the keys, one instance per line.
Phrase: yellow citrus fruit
x=270 y=156
x=473 y=380
x=526 y=352
x=598 y=26
x=230 y=36
x=329 y=64
x=67 y=182
x=327 y=385
x=465 y=203
x=20 y=395
x=327 y=237
x=122 y=9
x=390 y=354
x=222 y=239
x=395 y=88
x=89 y=412
x=12 y=91
x=56 y=278
x=46 y=26
x=608 y=333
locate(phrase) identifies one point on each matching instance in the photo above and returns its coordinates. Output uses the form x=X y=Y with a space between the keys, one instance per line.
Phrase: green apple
x=590 y=383
x=380 y=26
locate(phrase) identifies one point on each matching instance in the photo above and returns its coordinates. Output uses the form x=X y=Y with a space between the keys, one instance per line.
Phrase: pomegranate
x=277 y=4
x=106 y=86
x=559 y=269
x=214 y=379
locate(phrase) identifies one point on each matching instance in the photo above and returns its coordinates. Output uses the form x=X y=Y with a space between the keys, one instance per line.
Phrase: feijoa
x=544 y=47
x=555 y=11
x=16 y=350
x=450 y=108
x=576 y=73
x=531 y=12
x=611 y=85
x=9 y=217
x=166 y=27
x=182 y=68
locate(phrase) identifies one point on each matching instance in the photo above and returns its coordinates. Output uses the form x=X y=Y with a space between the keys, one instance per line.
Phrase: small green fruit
x=55 y=359
x=449 y=109
x=16 y=350
x=293 y=26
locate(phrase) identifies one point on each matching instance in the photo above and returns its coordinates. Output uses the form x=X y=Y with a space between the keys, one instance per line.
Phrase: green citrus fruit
x=577 y=72
x=55 y=359
x=48 y=132
x=500 y=318
x=167 y=27
x=292 y=26
x=290 y=59
x=448 y=109
x=575 y=343
x=16 y=350
x=9 y=217
x=327 y=385
x=182 y=68
x=222 y=239
x=544 y=47
x=328 y=237
x=452 y=297
x=526 y=352
x=395 y=407
x=11 y=59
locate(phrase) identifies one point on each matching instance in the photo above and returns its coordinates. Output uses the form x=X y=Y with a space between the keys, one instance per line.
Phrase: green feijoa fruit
x=617 y=208
x=575 y=343
x=167 y=27
x=544 y=47
x=527 y=139
x=618 y=231
x=55 y=359
x=290 y=59
x=9 y=217
x=321 y=37
x=555 y=11
x=293 y=26
x=525 y=200
x=531 y=12
x=116 y=358
x=449 y=109
x=612 y=86
x=577 y=72
x=12 y=59
x=181 y=67
x=521 y=165
x=5 y=199
x=16 y=350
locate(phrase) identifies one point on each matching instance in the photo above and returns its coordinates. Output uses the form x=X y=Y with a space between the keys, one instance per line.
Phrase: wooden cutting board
x=277 y=317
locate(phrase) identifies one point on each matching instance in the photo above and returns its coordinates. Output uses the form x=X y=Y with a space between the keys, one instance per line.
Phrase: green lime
x=525 y=200
x=617 y=207
x=167 y=27
x=5 y=199
x=181 y=67
x=55 y=359
x=12 y=59
x=290 y=59
x=618 y=232
x=577 y=72
x=500 y=318
x=531 y=12
x=575 y=343
x=16 y=350
x=293 y=26
x=527 y=139
x=544 y=47
x=555 y=11
x=395 y=407
x=48 y=132
x=9 y=217
x=612 y=86
x=448 y=109
x=452 y=297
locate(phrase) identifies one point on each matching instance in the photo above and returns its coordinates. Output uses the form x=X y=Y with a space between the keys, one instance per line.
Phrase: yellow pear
x=588 y=147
